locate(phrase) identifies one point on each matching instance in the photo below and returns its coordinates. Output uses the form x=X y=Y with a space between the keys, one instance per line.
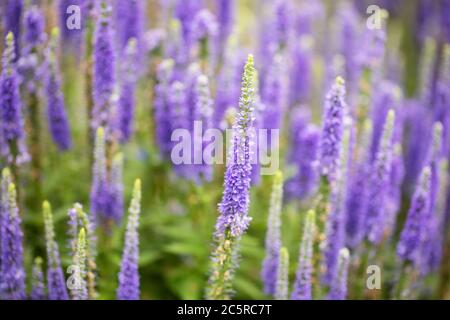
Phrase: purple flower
x=129 y=274
x=227 y=94
x=127 y=92
x=204 y=107
x=162 y=112
x=185 y=11
x=12 y=128
x=445 y=19
x=272 y=94
x=386 y=97
x=115 y=186
x=56 y=112
x=413 y=230
x=235 y=201
x=104 y=70
x=300 y=71
x=56 y=284
x=335 y=224
x=204 y=25
x=99 y=196
x=37 y=281
x=349 y=46
x=304 y=146
x=30 y=63
x=338 y=288
x=129 y=20
x=269 y=271
x=358 y=192
x=332 y=129
x=226 y=10
x=377 y=218
x=12 y=273
x=13 y=19
x=303 y=280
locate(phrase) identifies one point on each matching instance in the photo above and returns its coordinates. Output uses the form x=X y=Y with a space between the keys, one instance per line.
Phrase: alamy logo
x=73 y=21
x=207 y=147
x=373 y=281
x=376 y=16
x=75 y=280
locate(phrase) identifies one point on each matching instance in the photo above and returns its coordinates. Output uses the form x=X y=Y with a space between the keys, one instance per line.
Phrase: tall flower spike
x=234 y=220
x=338 y=290
x=162 y=112
x=282 y=285
x=129 y=20
x=79 y=291
x=104 y=70
x=301 y=71
x=225 y=15
x=273 y=237
x=37 y=281
x=12 y=144
x=332 y=130
x=358 y=192
x=380 y=176
x=99 y=187
x=304 y=156
x=129 y=274
x=412 y=233
x=29 y=64
x=272 y=94
x=56 y=284
x=13 y=17
x=12 y=273
x=303 y=282
x=204 y=106
x=115 y=202
x=56 y=113
x=78 y=219
x=127 y=91
x=235 y=201
x=335 y=224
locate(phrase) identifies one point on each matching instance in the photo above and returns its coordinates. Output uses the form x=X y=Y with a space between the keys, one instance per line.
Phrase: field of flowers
x=107 y=186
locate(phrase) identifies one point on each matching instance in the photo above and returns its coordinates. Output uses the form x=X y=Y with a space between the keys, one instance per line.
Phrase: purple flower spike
x=127 y=91
x=162 y=112
x=303 y=281
x=413 y=230
x=225 y=15
x=129 y=274
x=56 y=113
x=115 y=203
x=304 y=142
x=104 y=70
x=129 y=20
x=338 y=289
x=235 y=202
x=56 y=285
x=99 y=196
x=13 y=21
x=335 y=224
x=30 y=63
x=332 y=130
x=12 y=273
x=358 y=193
x=12 y=144
x=377 y=219
x=38 y=286
x=301 y=74
x=273 y=237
